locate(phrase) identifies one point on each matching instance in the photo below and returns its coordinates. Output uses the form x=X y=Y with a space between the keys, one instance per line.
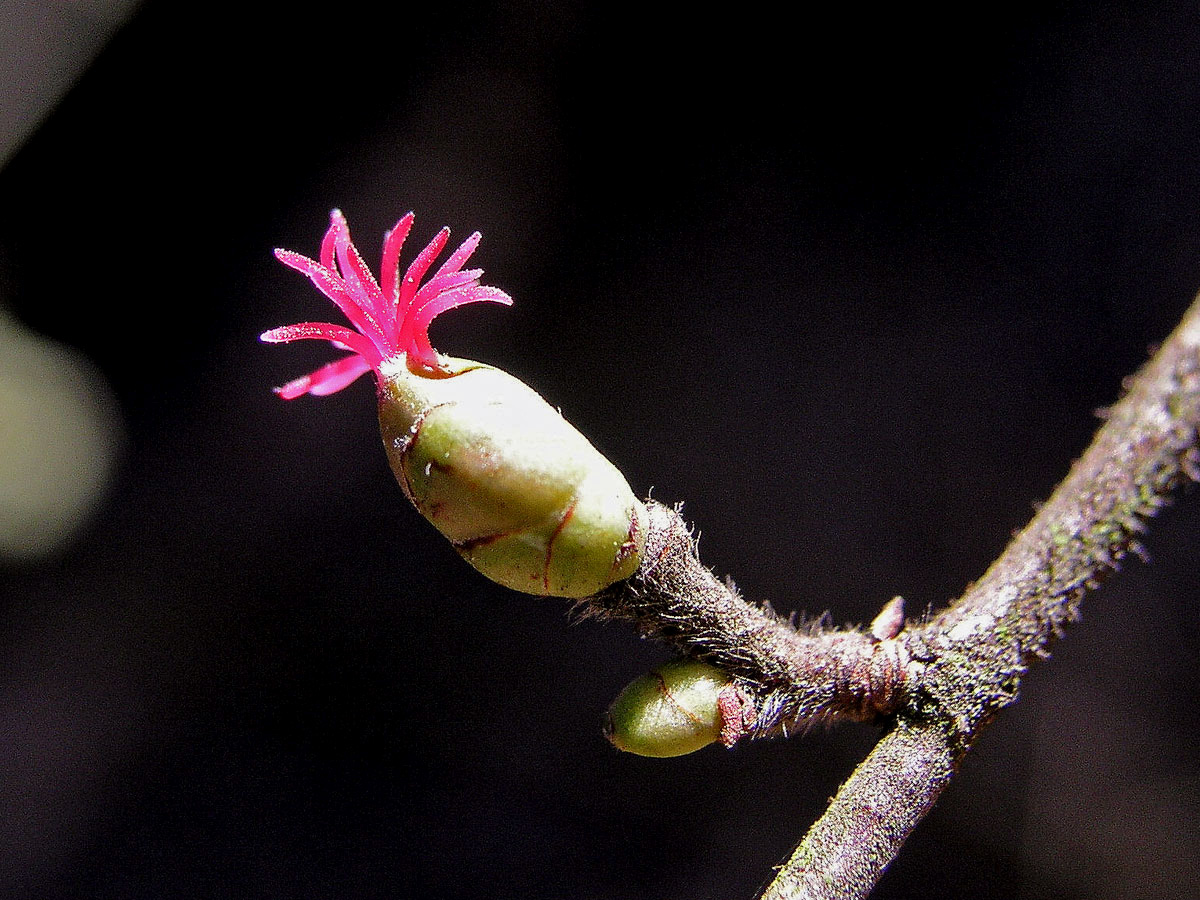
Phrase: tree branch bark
x=846 y=851
x=966 y=664
x=940 y=682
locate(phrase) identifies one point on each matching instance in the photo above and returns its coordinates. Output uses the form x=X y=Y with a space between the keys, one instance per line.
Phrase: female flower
x=521 y=494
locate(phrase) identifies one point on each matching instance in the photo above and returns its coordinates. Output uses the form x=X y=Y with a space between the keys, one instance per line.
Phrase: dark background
x=849 y=284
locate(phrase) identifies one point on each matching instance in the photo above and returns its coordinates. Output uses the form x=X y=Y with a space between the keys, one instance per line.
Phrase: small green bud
x=522 y=495
x=672 y=710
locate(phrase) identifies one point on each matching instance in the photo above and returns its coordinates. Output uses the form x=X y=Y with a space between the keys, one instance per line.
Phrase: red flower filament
x=390 y=318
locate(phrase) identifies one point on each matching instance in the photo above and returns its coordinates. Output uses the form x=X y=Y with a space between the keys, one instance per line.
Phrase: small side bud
x=676 y=709
x=890 y=621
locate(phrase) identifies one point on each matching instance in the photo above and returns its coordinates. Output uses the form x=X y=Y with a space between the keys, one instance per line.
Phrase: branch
x=793 y=677
x=944 y=680
x=979 y=647
x=966 y=664
x=846 y=851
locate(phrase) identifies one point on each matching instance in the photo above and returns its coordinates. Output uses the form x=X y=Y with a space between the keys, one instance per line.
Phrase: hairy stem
x=795 y=677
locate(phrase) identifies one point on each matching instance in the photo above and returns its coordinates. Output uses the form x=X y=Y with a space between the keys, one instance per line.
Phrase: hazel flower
x=521 y=495
x=391 y=317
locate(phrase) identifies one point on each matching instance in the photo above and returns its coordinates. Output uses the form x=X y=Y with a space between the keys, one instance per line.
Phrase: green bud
x=522 y=495
x=672 y=710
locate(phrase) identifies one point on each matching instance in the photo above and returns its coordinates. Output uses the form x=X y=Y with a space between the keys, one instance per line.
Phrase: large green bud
x=519 y=492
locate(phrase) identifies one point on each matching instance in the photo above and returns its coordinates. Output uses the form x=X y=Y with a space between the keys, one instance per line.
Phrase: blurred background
x=851 y=285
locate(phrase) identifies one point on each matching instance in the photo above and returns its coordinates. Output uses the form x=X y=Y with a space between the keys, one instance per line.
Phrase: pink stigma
x=389 y=321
